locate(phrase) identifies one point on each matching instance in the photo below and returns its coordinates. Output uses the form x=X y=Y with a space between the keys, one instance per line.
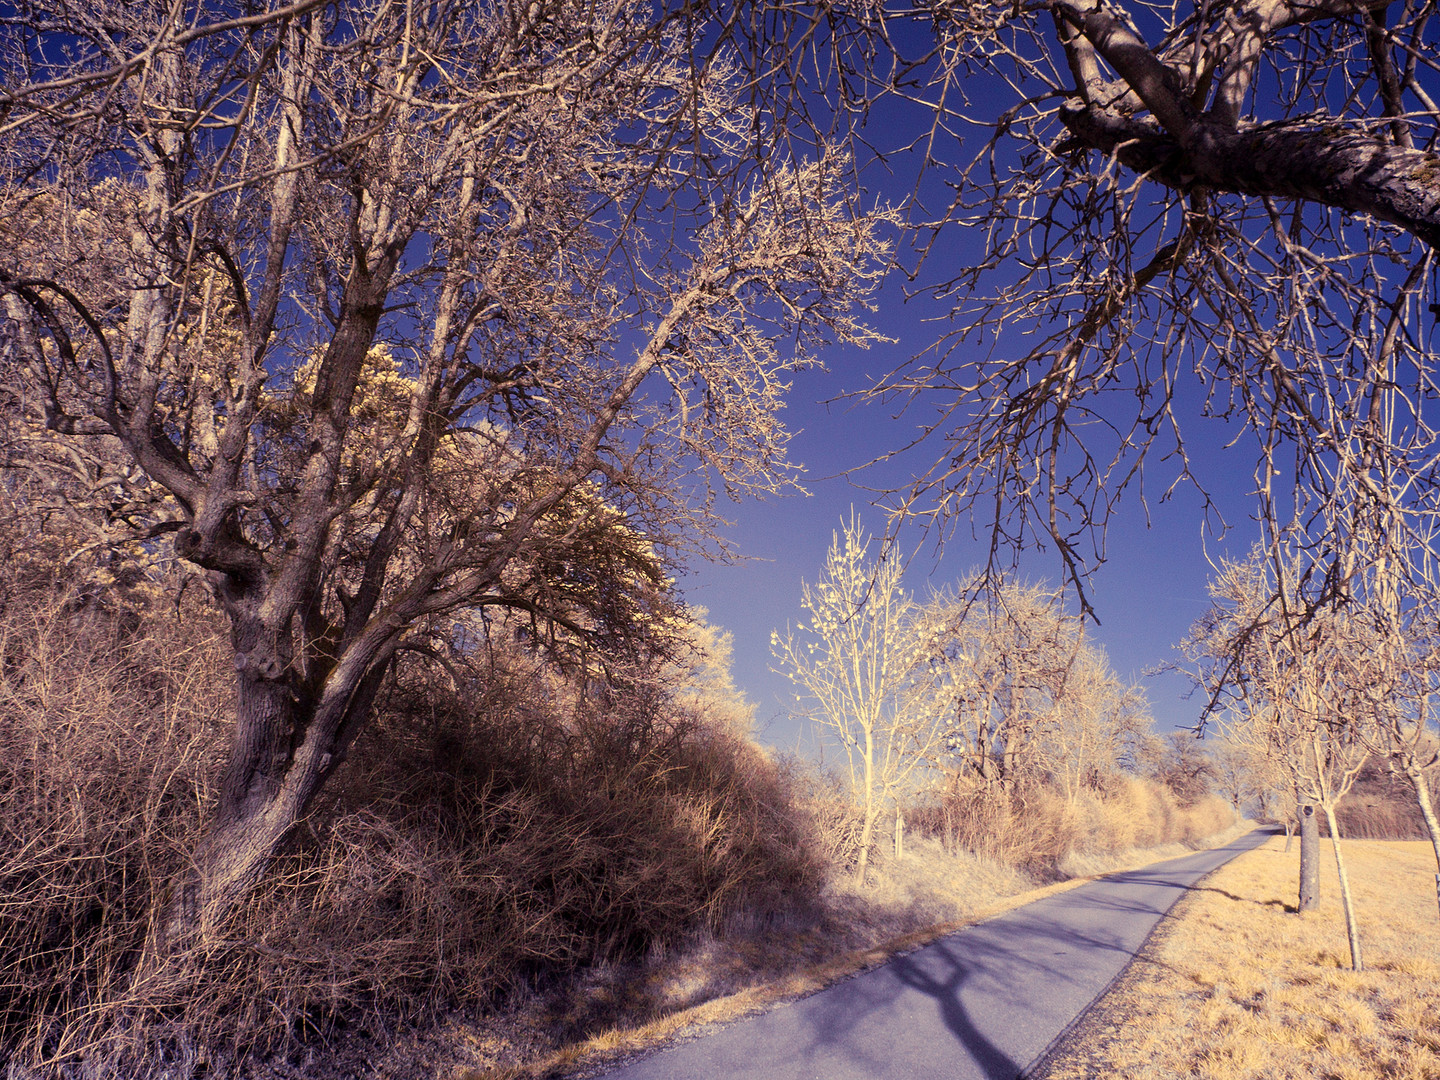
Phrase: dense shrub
x=1024 y=827
x=478 y=839
x=109 y=731
x=1382 y=806
x=1034 y=827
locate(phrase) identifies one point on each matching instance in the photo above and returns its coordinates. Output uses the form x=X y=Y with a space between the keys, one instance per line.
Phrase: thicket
x=487 y=834
x=1382 y=806
x=1033 y=826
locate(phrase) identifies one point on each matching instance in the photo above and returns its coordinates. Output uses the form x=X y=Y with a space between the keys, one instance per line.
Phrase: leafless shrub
x=834 y=821
x=108 y=727
x=1036 y=827
x=1026 y=827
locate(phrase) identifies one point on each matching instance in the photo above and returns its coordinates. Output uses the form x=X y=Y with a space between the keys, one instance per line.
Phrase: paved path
x=981 y=1004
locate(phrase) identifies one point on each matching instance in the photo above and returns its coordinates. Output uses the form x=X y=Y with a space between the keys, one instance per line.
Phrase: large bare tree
x=1181 y=214
x=996 y=667
x=398 y=309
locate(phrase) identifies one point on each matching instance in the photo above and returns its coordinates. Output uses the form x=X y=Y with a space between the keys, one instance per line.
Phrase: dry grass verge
x=1235 y=985
x=479 y=847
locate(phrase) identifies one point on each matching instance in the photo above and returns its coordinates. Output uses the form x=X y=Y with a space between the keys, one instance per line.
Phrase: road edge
x=1040 y=1066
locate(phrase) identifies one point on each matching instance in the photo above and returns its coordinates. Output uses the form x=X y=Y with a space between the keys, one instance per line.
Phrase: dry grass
x=1235 y=985
x=1034 y=827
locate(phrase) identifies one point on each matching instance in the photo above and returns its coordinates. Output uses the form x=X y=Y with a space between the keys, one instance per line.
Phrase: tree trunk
x=867 y=833
x=1352 y=929
x=1289 y=834
x=1309 y=858
x=872 y=810
x=1427 y=811
x=286 y=746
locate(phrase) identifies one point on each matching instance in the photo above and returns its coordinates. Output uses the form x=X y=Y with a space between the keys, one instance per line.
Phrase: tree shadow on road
x=1281 y=904
x=941 y=971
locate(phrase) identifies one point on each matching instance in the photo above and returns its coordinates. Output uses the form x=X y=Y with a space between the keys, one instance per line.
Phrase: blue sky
x=1146 y=595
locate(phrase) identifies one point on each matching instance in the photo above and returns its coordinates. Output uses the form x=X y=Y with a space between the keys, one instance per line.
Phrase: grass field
x=1235 y=985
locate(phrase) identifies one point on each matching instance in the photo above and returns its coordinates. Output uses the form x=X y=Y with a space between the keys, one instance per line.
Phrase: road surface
x=981 y=1004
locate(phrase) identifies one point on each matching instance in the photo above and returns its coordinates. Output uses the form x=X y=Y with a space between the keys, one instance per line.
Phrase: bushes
x=478 y=840
x=1136 y=812
x=1034 y=827
x=1025 y=827
x=1382 y=806
x=109 y=727
x=608 y=836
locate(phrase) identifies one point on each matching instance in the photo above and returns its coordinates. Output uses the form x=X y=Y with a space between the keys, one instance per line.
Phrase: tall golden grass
x=1034 y=826
x=1383 y=806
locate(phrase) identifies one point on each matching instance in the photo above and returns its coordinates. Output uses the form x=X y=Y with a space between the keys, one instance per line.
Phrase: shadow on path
x=985 y=1003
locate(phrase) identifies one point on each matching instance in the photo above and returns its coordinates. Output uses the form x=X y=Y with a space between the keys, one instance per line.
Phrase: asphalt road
x=981 y=1004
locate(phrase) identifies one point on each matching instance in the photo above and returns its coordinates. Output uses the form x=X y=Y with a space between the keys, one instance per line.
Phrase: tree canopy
x=404 y=310
x=1182 y=212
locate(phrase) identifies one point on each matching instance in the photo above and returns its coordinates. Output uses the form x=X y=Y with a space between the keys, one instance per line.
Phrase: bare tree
x=854 y=664
x=1180 y=762
x=1405 y=734
x=1295 y=687
x=1234 y=778
x=1225 y=212
x=1095 y=723
x=406 y=309
x=999 y=657
x=1394 y=663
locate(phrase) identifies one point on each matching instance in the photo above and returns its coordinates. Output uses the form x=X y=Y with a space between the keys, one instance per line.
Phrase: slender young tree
x=1394 y=663
x=1297 y=688
x=854 y=664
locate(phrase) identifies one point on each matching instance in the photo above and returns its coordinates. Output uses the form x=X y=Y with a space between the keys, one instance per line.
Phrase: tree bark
x=288 y=741
x=1326 y=163
x=1352 y=929
x=1427 y=811
x=867 y=834
x=1309 y=858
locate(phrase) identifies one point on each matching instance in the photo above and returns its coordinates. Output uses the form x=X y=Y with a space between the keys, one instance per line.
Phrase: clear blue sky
x=1147 y=594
